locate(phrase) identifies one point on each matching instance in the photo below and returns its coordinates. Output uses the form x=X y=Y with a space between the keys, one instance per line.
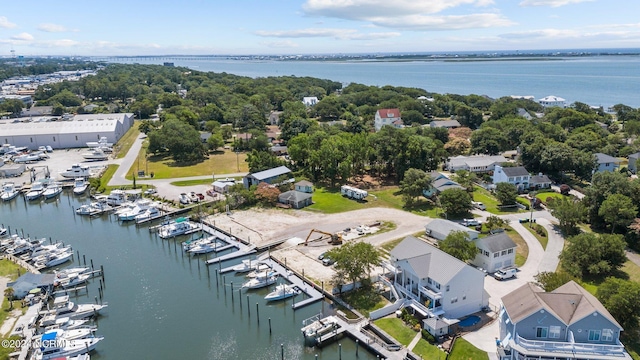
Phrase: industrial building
x=67 y=131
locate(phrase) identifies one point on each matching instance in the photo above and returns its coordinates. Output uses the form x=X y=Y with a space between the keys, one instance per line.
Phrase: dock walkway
x=307 y=288
x=243 y=249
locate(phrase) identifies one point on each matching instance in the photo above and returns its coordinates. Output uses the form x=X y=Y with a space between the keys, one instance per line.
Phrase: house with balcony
x=435 y=283
x=517 y=175
x=495 y=252
x=566 y=323
x=389 y=117
x=552 y=101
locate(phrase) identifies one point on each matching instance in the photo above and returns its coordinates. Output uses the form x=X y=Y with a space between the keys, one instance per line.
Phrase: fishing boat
x=151 y=213
x=206 y=247
x=249 y=265
x=63 y=307
x=72 y=280
x=260 y=282
x=76 y=171
x=102 y=142
x=93 y=208
x=37 y=188
x=52 y=321
x=281 y=292
x=140 y=207
x=9 y=191
x=54 y=259
x=117 y=197
x=53 y=347
x=95 y=154
x=178 y=227
x=73 y=334
x=53 y=189
x=80 y=186
x=318 y=328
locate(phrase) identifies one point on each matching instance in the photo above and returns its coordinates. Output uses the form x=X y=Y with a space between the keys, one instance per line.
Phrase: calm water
x=597 y=80
x=163 y=306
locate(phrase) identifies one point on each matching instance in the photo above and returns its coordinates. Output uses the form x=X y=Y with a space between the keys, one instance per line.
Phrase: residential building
x=440 y=228
x=449 y=124
x=309 y=100
x=524 y=113
x=566 y=323
x=474 y=163
x=274 y=117
x=389 y=117
x=270 y=176
x=495 y=252
x=304 y=186
x=539 y=181
x=552 y=101
x=435 y=283
x=222 y=186
x=606 y=162
x=517 y=175
x=439 y=183
x=295 y=199
x=633 y=162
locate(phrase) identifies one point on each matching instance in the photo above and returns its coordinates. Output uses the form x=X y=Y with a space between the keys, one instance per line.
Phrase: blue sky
x=116 y=27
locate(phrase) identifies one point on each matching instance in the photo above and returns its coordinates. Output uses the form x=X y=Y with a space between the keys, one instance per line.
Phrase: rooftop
x=267 y=174
x=496 y=242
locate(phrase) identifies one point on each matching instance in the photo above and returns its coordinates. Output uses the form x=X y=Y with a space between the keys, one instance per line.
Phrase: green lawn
x=126 y=141
x=193 y=182
x=463 y=350
x=428 y=351
x=396 y=328
x=543 y=240
x=10 y=269
x=522 y=251
x=543 y=196
x=485 y=197
x=364 y=300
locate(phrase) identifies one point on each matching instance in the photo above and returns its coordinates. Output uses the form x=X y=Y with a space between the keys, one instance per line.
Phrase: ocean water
x=595 y=80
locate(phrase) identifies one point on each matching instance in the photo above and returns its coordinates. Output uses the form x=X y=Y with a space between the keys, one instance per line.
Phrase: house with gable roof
x=606 y=162
x=517 y=175
x=389 y=117
x=475 y=163
x=566 y=323
x=439 y=183
x=269 y=176
x=440 y=228
x=633 y=162
x=495 y=252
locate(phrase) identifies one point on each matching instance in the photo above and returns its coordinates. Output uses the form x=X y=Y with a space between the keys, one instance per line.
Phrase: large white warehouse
x=64 y=132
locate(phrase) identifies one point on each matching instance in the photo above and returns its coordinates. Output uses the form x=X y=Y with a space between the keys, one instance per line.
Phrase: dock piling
x=269 y=326
x=281 y=351
x=216 y=278
x=258 y=313
x=102 y=272
x=357 y=345
x=232 y=292
x=224 y=285
x=91 y=264
x=248 y=309
x=340 y=351
x=84 y=259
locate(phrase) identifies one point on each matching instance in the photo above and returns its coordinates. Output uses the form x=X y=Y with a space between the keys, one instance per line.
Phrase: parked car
x=193 y=197
x=525 y=220
x=49 y=148
x=184 y=199
x=150 y=191
x=504 y=274
x=200 y=196
x=327 y=261
x=321 y=256
x=470 y=222
x=479 y=205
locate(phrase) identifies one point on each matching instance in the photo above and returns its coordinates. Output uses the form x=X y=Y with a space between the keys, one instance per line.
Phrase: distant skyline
x=254 y=27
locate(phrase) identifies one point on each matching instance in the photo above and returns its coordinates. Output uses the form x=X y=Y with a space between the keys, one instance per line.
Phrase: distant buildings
x=440 y=228
x=552 y=101
x=309 y=101
x=517 y=175
x=448 y=124
x=633 y=162
x=389 y=117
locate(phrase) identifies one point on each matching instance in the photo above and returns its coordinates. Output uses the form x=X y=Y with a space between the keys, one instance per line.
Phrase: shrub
x=428 y=337
x=539 y=229
x=523 y=201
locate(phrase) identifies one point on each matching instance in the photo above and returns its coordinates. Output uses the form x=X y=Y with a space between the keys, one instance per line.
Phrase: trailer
x=353 y=193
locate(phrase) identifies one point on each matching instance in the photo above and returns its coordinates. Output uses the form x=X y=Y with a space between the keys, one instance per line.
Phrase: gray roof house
x=449 y=124
x=295 y=199
x=566 y=323
x=440 y=228
x=606 y=162
x=439 y=184
x=495 y=252
x=633 y=162
x=435 y=283
x=269 y=176
x=475 y=163
x=29 y=281
x=540 y=181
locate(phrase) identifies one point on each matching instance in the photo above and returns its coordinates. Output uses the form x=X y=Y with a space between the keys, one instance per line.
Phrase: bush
x=408 y=318
x=428 y=337
x=524 y=202
x=539 y=229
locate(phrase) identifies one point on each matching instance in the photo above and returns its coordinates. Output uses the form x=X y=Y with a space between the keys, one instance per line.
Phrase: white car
x=184 y=199
x=479 y=205
x=150 y=191
x=470 y=222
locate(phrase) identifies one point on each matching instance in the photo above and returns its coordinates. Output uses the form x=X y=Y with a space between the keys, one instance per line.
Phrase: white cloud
x=52 y=28
x=452 y=22
x=286 y=44
x=343 y=34
x=363 y=9
x=22 y=37
x=5 y=23
x=551 y=3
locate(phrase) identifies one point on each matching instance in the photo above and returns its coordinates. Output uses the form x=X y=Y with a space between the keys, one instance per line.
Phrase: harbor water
x=164 y=304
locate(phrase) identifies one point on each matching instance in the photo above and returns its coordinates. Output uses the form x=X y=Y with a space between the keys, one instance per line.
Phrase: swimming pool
x=469 y=321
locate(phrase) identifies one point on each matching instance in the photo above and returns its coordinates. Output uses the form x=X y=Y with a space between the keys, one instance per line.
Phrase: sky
x=300 y=27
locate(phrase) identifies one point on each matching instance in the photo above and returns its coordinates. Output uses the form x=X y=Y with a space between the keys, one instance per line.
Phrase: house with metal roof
x=448 y=124
x=495 y=252
x=435 y=283
x=552 y=101
x=269 y=176
x=566 y=323
x=295 y=199
x=304 y=186
x=440 y=228
x=389 y=117
x=606 y=162
x=517 y=175
x=29 y=281
x=475 y=163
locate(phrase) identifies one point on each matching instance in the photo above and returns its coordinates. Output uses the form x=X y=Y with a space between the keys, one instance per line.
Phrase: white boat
x=62 y=307
x=52 y=190
x=53 y=347
x=69 y=272
x=26 y=158
x=73 y=334
x=40 y=251
x=54 y=259
x=76 y=171
x=95 y=154
x=179 y=227
x=80 y=186
x=37 y=188
x=260 y=282
x=73 y=280
x=9 y=191
x=151 y=213
x=141 y=206
x=281 y=292
x=61 y=322
x=116 y=197
x=21 y=246
x=249 y=265
x=261 y=273
x=206 y=248
x=189 y=244
x=103 y=142
x=3 y=231
x=93 y=207
x=319 y=328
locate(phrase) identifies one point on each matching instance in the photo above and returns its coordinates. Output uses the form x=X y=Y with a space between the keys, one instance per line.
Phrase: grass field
x=428 y=351
x=124 y=144
x=485 y=197
x=543 y=196
x=543 y=240
x=10 y=269
x=522 y=251
x=364 y=300
x=396 y=328
x=463 y=350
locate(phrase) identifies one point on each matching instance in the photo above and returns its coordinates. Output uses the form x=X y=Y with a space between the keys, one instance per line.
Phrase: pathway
x=414 y=342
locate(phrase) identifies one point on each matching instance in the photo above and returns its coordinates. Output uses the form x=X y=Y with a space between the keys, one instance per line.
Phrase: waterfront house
x=517 y=175
x=552 y=101
x=29 y=281
x=524 y=113
x=435 y=283
x=304 y=186
x=494 y=252
x=440 y=228
x=566 y=323
x=606 y=162
x=295 y=199
x=448 y=124
x=439 y=183
x=269 y=176
x=389 y=117
x=475 y=163
x=633 y=162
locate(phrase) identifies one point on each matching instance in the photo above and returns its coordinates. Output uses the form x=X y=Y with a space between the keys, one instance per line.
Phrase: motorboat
x=53 y=259
x=53 y=347
x=319 y=328
x=73 y=334
x=261 y=273
x=93 y=207
x=102 y=142
x=73 y=280
x=70 y=272
x=9 y=191
x=21 y=246
x=37 y=189
x=76 y=171
x=62 y=307
x=140 y=207
x=189 y=244
x=116 y=197
x=80 y=186
x=52 y=321
x=40 y=251
x=95 y=154
x=151 y=213
x=180 y=227
x=249 y=265
x=281 y=292
x=26 y=158
x=206 y=248
x=3 y=231
x=260 y=282
x=52 y=190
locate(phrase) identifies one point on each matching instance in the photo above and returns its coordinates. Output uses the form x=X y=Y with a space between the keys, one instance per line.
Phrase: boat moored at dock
x=281 y=292
x=180 y=226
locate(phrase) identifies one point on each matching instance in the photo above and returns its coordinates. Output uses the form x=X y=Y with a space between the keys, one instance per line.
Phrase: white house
x=222 y=186
x=518 y=176
x=309 y=100
x=494 y=252
x=435 y=283
x=389 y=117
x=551 y=101
x=440 y=228
x=606 y=162
x=475 y=163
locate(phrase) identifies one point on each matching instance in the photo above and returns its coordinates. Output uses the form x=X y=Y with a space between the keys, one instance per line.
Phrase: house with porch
x=495 y=252
x=304 y=186
x=517 y=175
x=440 y=228
x=436 y=284
x=295 y=199
x=566 y=323
x=222 y=186
x=606 y=162
x=389 y=117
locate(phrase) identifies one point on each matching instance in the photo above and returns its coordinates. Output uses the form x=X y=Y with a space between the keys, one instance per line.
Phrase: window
x=486 y=253
x=429 y=280
x=594 y=335
x=454 y=299
x=510 y=251
x=496 y=255
x=464 y=297
x=31 y=139
x=437 y=286
x=541 y=332
x=447 y=288
x=554 y=332
x=76 y=137
x=479 y=251
x=607 y=335
x=503 y=253
x=54 y=139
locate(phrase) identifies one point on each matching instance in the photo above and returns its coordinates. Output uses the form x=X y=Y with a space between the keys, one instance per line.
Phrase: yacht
x=51 y=321
x=95 y=154
x=73 y=334
x=281 y=292
x=26 y=158
x=249 y=265
x=52 y=190
x=69 y=272
x=54 y=259
x=206 y=247
x=260 y=282
x=72 y=280
x=80 y=186
x=3 y=231
x=103 y=142
x=21 y=246
x=179 y=227
x=76 y=171
x=116 y=197
x=55 y=348
x=40 y=251
x=9 y=191
x=94 y=207
x=63 y=307
x=151 y=213
x=140 y=208
x=37 y=188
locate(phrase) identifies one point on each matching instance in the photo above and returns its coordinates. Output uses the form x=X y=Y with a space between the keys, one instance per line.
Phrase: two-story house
x=389 y=117
x=518 y=176
x=606 y=162
x=436 y=283
x=633 y=162
x=566 y=323
x=552 y=101
x=494 y=252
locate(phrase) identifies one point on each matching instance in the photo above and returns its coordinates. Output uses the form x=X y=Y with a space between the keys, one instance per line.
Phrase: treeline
x=38 y=66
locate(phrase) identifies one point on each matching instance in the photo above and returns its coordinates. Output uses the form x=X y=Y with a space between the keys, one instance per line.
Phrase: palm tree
x=9 y=293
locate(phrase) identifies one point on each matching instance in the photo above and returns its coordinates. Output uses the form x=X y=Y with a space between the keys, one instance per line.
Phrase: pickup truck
x=504 y=274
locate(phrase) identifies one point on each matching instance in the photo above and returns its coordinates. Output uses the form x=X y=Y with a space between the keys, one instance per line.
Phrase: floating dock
x=307 y=288
x=243 y=249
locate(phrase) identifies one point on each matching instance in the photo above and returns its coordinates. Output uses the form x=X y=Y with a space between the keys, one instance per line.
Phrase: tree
x=262 y=160
x=179 y=139
x=267 y=194
x=620 y=297
x=466 y=179
x=569 y=212
x=412 y=185
x=9 y=294
x=618 y=209
x=356 y=260
x=550 y=281
x=455 y=201
x=14 y=106
x=506 y=193
x=589 y=254
x=215 y=141
x=458 y=245
x=493 y=222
